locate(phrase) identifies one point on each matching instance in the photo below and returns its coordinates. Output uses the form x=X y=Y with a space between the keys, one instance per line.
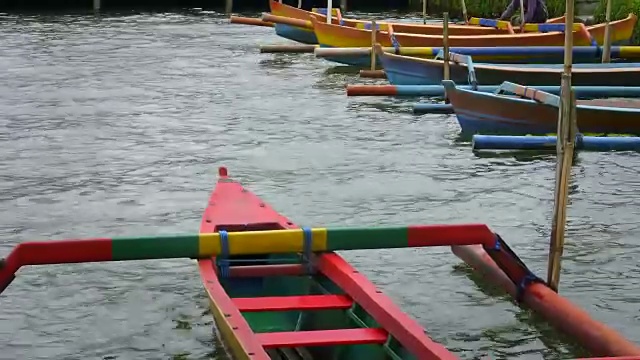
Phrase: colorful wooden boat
x=490 y=113
x=512 y=55
x=304 y=33
x=407 y=70
x=280 y=311
x=476 y=26
x=332 y=35
x=281 y=292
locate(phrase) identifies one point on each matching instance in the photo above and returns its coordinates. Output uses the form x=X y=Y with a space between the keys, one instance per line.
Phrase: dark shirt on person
x=535 y=11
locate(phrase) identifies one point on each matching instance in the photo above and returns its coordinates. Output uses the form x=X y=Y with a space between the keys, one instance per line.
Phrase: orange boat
x=332 y=35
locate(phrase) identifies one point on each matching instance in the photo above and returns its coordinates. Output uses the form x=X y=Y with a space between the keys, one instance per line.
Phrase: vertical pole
x=343 y=6
x=424 y=11
x=96 y=6
x=228 y=8
x=329 y=10
x=374 y=30
x=521 y=15
x=565 y=147
x=445 y=44
x=606 y=52
x=299 y=4
x=464 y=11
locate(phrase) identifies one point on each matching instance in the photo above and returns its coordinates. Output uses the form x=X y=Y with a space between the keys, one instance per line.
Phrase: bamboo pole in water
x=522 y=15
x=464 y=11
x=374 y=30
x=567 y=129
x=606 y=52
x=424 y=11
x=445 y=44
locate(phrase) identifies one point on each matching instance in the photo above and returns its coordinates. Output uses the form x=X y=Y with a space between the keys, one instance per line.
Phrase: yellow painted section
x=262 y=242
x=278 y=241
x=418 y=51
x=319 y=239
x=630 y=51
x=209 y=244
x=501 y=24
x=334 y=11
x=231 y=341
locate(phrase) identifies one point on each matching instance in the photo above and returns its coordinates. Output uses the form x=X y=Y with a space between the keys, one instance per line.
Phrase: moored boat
x=408 y=70
x=475 y=26
x=272 y=306
x=489 y=113
x=332 y=35
x=278 y=291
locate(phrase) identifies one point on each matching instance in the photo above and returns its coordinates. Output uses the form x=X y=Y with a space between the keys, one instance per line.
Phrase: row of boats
x=316 y=306
x=479 y=64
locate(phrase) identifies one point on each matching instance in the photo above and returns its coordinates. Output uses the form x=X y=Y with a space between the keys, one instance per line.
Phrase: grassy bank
x=487 y=8
x=620 y=9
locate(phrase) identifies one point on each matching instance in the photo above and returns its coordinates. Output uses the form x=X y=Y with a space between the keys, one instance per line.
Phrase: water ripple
x=116 y=126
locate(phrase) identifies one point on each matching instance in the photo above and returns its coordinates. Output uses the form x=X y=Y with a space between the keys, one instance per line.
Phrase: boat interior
x=279 y=304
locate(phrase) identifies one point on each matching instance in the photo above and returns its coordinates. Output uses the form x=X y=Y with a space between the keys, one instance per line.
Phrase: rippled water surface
x=117 y=126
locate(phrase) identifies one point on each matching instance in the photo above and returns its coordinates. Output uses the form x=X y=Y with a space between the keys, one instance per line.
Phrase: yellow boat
x=334 y=35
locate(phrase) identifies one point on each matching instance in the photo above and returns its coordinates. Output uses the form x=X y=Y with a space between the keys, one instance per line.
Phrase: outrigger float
x=279 y=291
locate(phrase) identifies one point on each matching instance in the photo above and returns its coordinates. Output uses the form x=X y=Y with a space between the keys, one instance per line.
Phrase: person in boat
x=535 y=11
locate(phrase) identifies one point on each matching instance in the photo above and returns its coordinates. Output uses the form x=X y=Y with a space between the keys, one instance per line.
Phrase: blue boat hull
x=304 y=36
x=405 y=70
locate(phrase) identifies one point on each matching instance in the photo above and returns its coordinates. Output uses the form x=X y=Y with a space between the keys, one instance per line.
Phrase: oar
x=201 y=246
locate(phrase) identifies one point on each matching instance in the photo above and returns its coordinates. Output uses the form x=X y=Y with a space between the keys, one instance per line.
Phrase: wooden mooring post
x=96 y=6
x=567 y=129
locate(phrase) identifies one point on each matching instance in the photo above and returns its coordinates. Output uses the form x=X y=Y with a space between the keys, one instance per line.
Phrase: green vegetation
x=492 y=9
x=620 y=9
x=488 y=8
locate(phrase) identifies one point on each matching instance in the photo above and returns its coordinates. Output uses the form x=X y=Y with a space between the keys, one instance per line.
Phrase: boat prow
x=284 y=306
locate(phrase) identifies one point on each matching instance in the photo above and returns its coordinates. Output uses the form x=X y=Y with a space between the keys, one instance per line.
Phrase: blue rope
x=223 y=261
x=521 y=287
x=307 y=248
x=395 y=42
x=496 y=246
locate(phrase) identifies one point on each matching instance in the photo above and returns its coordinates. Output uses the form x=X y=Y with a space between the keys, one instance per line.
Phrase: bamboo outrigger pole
x=567 y=129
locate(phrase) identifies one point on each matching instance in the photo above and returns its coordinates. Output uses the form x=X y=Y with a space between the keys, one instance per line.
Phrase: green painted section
x=155 y=247
x=362 y=238
x=316 y=284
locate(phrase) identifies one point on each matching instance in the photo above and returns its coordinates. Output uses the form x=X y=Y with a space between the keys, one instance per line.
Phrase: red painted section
x=323 y=338
x=64 y=252
x=266 y=270
x=53 y=252
x=286 y=303
x=402 y=327
x=444 y=235
x=596 y=337
x=372 y=90
x=231 y=206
